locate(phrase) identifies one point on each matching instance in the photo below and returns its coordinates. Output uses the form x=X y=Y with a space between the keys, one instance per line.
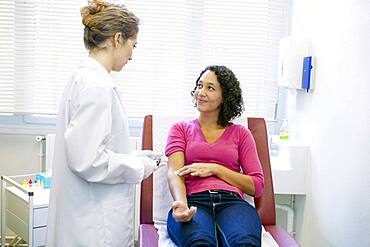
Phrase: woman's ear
x=117 y=39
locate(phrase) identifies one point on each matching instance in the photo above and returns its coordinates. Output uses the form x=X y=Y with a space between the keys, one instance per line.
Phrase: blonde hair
x=103 y=20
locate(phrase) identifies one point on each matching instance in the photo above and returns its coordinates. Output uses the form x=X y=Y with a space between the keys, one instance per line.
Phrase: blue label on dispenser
x=306 y=73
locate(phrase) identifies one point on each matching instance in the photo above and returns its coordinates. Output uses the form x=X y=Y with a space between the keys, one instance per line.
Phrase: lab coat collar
x=94 y=64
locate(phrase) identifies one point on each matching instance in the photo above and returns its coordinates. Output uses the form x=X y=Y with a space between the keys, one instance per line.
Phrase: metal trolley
x=24 y=210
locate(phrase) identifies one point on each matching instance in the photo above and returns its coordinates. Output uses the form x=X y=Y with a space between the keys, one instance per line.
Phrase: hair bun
x=93 y=7
x=97 y=6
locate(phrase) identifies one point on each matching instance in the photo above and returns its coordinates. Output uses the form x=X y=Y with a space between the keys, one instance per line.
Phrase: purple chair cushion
x=148 y=236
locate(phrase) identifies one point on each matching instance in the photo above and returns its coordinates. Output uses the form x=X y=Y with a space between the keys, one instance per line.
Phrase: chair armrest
x=281 y=236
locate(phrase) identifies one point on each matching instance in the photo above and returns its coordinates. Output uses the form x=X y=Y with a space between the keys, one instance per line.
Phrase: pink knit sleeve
x=176 y=138
x=249 y=160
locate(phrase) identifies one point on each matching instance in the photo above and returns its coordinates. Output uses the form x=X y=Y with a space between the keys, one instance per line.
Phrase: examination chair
x=265 y=205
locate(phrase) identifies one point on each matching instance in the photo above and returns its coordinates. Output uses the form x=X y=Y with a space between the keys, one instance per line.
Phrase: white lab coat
x=92 y=194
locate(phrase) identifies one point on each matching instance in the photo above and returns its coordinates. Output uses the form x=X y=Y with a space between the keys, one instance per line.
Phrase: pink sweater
x=235 y=149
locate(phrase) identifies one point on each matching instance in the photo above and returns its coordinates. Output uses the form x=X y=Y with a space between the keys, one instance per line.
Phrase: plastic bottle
x=284 y=143
x=284 y=132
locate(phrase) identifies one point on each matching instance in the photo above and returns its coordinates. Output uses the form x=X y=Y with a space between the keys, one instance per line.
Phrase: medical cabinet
x=24 y=209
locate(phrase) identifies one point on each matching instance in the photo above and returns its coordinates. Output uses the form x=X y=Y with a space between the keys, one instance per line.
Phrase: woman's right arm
x=176 y=183
x=181 y=211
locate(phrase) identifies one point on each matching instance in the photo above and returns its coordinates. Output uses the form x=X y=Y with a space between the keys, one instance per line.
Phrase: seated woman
x=212 y=162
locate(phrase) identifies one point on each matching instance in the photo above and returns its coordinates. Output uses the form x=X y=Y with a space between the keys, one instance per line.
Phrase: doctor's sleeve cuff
x=130 y=168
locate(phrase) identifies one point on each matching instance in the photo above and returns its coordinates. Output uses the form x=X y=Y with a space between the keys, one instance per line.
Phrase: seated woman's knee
x=202 y=243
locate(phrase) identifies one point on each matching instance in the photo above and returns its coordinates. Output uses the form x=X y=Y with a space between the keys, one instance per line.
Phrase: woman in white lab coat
x=92 y=194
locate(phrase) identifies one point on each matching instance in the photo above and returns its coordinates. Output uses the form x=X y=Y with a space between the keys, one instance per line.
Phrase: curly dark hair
x=232 y=104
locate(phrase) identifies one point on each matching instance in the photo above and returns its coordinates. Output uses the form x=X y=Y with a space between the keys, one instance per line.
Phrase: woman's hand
x=198 y=169
x=181 y=212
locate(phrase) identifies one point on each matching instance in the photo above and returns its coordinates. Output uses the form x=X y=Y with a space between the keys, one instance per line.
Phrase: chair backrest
x=265 y=205
x=146 y=197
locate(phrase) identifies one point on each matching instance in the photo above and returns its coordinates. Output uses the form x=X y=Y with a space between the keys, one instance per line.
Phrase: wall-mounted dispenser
x=295 y=63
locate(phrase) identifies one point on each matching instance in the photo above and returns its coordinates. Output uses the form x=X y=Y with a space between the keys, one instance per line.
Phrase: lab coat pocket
x=118 y=223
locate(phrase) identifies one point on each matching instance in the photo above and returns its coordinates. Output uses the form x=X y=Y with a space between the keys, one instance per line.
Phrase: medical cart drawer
x=40 y=217
x=39 y=236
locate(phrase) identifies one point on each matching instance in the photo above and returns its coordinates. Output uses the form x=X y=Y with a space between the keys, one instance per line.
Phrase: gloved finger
x=148 y=153
x=162 y=163
x=164 y=159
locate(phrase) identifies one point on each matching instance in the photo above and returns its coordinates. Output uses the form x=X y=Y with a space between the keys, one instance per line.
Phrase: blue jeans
x=223 y=218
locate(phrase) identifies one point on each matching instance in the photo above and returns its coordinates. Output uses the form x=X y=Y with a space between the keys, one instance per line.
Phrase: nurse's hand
x=181 y=212
x=149 y=166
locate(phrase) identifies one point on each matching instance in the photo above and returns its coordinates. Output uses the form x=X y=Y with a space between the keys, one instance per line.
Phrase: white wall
x=335 y=120
x=19 y=154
